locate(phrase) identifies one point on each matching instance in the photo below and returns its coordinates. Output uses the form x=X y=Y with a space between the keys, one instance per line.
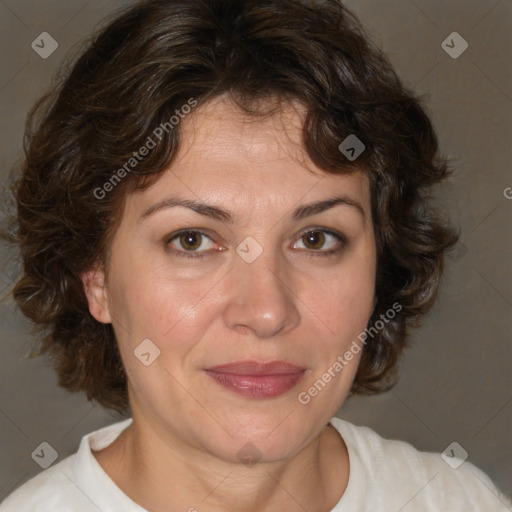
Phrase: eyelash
x=312 y=253
x=187 y=254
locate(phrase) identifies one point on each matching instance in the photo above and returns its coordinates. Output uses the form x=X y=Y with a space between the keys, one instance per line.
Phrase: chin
x=264 y=436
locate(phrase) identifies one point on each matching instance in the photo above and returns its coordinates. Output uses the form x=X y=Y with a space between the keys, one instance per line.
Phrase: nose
x=260 y=300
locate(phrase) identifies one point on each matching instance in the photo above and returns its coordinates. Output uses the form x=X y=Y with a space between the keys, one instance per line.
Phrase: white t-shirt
x=385 y=476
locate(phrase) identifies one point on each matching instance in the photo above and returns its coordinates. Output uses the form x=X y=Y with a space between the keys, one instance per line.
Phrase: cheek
x=149 y=300
x=172 y=315
x=344 y=302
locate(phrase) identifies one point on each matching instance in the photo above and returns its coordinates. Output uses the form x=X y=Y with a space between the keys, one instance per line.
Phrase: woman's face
x=287 y=278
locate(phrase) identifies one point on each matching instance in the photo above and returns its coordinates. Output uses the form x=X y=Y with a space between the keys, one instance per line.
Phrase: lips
x=255 y=368
x=257 y=380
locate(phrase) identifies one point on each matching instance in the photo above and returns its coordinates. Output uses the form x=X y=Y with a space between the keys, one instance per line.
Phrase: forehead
x=220 y=127
x=248 y=161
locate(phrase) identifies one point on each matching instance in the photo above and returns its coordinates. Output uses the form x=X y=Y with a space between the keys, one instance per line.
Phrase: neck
x=160 y=473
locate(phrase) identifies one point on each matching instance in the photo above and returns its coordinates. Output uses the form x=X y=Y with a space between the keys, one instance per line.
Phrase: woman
x=223 y=230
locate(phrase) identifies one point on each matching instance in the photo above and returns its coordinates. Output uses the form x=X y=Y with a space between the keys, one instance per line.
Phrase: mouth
x=257 y=380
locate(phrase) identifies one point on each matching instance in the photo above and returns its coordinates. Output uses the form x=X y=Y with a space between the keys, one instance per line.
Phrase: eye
x=190 y=241
x=321 y=241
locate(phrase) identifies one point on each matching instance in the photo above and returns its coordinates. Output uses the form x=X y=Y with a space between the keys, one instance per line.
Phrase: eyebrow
x=218 y=213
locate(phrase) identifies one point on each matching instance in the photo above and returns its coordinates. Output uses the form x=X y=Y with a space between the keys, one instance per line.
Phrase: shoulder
x=50 y=490
x=397 y=472
x=70 y=484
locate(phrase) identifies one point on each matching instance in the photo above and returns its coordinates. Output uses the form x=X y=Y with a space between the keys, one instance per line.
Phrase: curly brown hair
x=133 y=76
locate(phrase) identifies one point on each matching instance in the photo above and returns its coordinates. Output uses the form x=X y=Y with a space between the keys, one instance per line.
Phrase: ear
x=96 y=292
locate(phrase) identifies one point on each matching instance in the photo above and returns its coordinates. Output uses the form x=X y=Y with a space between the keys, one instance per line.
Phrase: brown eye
x=321 y=242
x=190 y=244
x=314 y=240
x=190 y=240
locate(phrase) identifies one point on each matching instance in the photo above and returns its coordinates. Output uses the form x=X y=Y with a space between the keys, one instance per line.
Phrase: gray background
x=455 y=383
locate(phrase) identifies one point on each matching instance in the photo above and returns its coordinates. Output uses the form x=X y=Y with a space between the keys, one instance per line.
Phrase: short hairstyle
x=131 y=83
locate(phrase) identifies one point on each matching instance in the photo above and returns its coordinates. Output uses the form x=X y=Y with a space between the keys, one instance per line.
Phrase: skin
x=293 y=303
